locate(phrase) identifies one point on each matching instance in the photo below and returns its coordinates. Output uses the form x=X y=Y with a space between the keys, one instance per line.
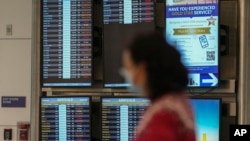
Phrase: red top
x=168 y=119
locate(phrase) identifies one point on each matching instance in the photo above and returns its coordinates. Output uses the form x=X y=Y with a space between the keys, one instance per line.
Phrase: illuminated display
x=121 y=19
x=66 y=43
x=128 y=11
x=120 y=116
x=207 y=116
x=65 y=119
x=192 y=26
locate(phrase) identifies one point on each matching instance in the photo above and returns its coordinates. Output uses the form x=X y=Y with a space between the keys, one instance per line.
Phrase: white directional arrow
x=213 y=79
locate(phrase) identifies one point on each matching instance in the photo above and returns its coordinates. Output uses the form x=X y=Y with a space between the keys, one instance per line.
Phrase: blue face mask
x=128 y=80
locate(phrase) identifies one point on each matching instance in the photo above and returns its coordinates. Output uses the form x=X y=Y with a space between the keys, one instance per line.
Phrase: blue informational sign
x=192 y=27
x=13 y=101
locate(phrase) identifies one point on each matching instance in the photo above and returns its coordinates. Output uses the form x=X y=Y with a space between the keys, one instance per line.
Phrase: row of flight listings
x=67 y=41
x=69 y=118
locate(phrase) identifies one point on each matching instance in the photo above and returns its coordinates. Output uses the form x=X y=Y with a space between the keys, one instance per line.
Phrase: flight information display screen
x=65 y=119
x=120 y=116
x=192 y=26
x=121 y=19
x=66 y=43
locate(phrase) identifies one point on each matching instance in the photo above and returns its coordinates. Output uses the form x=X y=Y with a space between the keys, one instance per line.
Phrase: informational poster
x=192 y=27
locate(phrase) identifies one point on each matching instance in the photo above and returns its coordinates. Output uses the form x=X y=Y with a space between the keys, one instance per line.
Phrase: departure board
x=120 y=116
x=121 y=20
x=66 y=43
x=65 y=119
x=128 y=11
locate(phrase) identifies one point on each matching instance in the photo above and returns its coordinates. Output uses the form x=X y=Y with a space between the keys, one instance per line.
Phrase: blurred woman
x=154 y=67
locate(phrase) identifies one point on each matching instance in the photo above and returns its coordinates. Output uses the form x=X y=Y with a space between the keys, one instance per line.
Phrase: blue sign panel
x=209 y=79
x=13 y=101
x=192 y=26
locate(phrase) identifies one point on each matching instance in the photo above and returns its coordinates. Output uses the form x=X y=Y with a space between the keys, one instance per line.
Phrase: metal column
x=35 y=71
x=244 y=63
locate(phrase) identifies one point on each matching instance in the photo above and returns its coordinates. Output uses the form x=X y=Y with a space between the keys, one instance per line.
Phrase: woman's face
x=136 y=72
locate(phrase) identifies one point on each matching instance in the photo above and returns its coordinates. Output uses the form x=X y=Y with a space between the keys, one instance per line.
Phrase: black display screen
x=121 y=19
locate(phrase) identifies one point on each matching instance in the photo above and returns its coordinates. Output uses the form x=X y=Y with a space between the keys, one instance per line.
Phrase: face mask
x=128 y=80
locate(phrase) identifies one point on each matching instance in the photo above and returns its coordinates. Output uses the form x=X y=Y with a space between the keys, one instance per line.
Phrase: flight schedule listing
x=128 y=11
x=66 y=42
x=65 y=119
x=120 y=117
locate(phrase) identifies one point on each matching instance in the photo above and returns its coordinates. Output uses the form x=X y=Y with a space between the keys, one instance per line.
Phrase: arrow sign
x=213 y=79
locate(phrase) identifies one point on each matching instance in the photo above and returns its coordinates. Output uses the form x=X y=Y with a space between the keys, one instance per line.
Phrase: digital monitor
x=120 y=116
x=66 y=43
x=207 y=116
x=65 y=119
x=121 y=19
x=192 y=26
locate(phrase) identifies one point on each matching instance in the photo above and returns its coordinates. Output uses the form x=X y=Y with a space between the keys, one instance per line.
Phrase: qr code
x=210 y=55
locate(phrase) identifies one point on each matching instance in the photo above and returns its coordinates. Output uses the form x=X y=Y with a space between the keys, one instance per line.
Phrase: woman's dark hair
x=165 y=71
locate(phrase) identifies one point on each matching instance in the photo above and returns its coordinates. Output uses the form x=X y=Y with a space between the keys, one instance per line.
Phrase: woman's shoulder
x=177 y=106
x=165 y=118
x=169 y=109
x=166 y=125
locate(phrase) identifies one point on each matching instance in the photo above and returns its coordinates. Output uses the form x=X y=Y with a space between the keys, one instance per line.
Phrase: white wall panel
x=19 y=14
x=15 y=80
